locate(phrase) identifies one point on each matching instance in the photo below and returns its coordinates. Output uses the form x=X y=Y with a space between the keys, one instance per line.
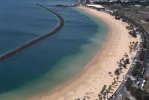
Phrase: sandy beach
x=100 y=71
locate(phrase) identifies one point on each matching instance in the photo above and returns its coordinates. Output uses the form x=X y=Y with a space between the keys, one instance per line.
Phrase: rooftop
x=94 y=5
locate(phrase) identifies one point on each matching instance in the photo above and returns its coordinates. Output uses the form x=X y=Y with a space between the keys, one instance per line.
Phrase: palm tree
x=107 y=92
x=114 y=80
x=110 y=87
x=100 y=96
x=104 y=95
x=110 y=73
x=117 y=78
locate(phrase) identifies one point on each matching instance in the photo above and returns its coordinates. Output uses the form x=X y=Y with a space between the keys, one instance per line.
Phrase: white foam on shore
x=91 y=81
x=72 y=65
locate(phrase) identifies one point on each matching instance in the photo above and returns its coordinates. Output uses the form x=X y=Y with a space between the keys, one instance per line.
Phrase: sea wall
x=38 y=39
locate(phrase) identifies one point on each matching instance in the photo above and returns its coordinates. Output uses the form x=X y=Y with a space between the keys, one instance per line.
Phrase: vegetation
x=117 y=72
x=127 y=61
x=103 y=89
x=133 y=34
x=135 y=29
x=136 y=92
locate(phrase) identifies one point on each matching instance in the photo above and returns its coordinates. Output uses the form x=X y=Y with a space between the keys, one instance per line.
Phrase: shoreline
x=97 y=70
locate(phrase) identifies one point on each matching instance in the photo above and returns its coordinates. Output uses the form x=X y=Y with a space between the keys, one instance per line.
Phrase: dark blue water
x=21 y=21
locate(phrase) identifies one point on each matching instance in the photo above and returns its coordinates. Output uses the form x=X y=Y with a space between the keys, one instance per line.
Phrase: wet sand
x=95 y=75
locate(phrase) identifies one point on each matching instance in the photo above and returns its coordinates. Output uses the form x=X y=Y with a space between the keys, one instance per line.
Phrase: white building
x=95 y=6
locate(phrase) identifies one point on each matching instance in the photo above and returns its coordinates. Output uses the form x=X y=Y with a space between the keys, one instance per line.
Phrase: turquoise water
x=51 y=62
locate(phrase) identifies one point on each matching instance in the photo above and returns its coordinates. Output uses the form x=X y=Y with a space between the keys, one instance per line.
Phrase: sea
x=53 y=61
